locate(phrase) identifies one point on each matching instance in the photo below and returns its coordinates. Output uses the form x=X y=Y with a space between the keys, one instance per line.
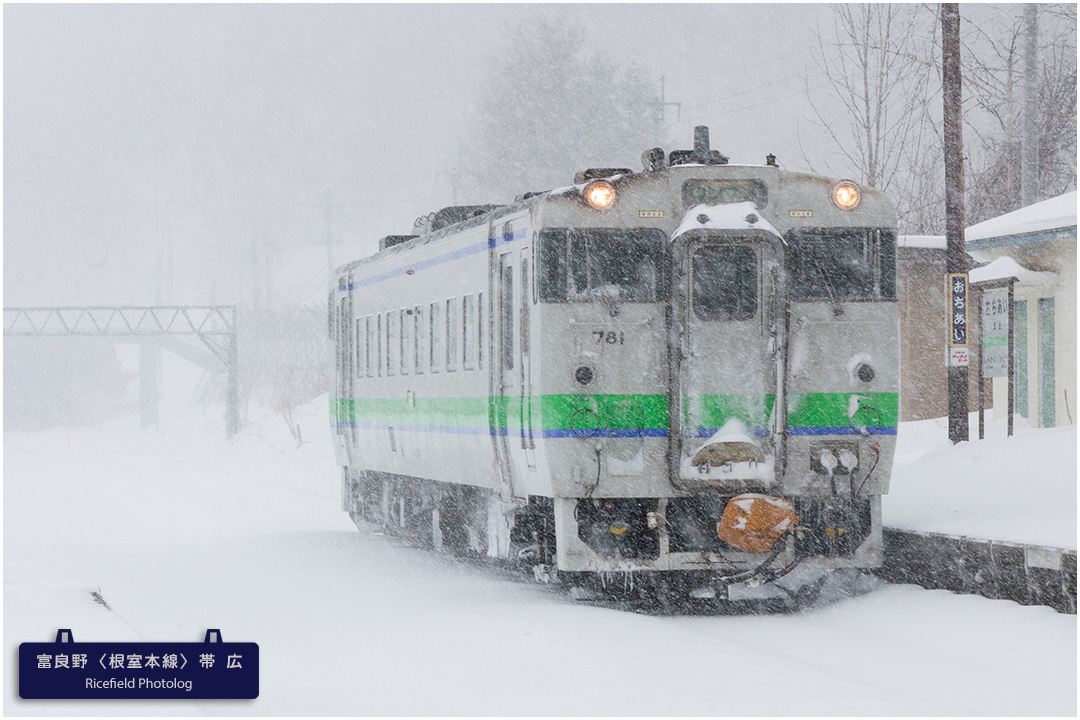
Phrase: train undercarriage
x=660 y=552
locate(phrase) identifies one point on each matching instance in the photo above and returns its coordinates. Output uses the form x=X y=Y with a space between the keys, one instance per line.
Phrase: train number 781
x=611 y=337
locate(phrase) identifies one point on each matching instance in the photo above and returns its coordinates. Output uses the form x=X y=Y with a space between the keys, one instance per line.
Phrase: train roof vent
x=526 y=196
x=449 y=216
x=597 y=173
x=701 y=154
x=392 y=240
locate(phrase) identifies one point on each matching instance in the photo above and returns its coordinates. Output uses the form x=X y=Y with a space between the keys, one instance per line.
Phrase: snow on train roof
x=732 y=216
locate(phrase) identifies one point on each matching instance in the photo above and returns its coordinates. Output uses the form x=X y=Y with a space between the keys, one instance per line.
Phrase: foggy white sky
x=209 y=138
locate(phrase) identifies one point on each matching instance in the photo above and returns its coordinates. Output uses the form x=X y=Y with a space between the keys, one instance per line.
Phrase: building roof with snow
x=1006 y=267
x=1053 y=219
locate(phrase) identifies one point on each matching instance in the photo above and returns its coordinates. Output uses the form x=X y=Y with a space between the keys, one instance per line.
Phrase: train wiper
x=837 y=308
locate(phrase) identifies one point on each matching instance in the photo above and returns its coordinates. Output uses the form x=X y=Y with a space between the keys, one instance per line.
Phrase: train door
x=347 y=344
x=727 y=304
x=506 y=386
x=510 y=407
x=528 y=440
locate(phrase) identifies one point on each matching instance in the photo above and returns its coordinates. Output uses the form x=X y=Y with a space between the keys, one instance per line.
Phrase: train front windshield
x=602 y=264
x=842 y=264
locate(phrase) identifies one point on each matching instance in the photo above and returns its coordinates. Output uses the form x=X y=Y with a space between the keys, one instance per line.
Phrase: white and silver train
x=678 y=381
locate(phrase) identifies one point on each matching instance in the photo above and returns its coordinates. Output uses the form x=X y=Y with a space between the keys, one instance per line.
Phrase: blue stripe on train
x=607 y=432
x=479 y=247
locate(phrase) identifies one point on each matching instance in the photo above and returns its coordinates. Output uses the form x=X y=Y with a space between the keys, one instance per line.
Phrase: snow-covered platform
x=993 y=517
x=1019 y=489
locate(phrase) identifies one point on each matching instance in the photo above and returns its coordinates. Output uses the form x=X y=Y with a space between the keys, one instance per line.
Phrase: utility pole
x=662 y=104
x=956 y=310
x=329 y=208
x=329 y=236
x=1029 y=174
x=455 y=178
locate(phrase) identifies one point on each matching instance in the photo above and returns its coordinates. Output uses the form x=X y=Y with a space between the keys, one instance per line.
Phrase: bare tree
x=284 y=356
x=880 y=64
x=993 y=74
x=878 y=61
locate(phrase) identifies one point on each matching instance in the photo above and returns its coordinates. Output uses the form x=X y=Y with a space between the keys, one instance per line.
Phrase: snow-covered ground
x=179 y=531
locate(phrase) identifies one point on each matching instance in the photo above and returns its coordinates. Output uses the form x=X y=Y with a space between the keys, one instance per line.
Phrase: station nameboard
x=957 y=294
x=995 y=332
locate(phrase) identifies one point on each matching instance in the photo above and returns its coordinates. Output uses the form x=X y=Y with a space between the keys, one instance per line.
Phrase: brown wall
x=923 y=373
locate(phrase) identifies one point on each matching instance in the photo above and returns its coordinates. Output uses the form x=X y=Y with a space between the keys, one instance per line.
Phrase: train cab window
x=602 y=264
x=468 y=318
x=420 y=346
x=724 y=282
x=451 y=335
x=435 y=320
x=842 y=264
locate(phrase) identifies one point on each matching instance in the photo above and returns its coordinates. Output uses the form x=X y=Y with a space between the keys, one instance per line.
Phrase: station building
x=1036 y=245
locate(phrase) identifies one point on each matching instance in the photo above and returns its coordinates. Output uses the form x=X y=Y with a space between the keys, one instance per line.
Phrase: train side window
x=361 y=348
x=378 y=344
x=480 y=314
x=468 y=329
x=420 y=325
x=451 y=335
x=371 y=359
x=405 y=340
x=391 y=342
x=435 y=356
x=725 y=283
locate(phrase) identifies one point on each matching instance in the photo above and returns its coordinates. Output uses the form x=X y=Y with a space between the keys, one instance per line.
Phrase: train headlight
x=846 y=195
x=600 y=194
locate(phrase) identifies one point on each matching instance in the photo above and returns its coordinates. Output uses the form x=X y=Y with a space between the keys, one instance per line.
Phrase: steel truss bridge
x=213 y=325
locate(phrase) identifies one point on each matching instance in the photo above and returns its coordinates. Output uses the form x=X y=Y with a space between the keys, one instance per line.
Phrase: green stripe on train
x=561 y=412
x=831 y=409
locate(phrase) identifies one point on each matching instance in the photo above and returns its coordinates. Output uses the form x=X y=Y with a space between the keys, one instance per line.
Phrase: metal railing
x=213 y=325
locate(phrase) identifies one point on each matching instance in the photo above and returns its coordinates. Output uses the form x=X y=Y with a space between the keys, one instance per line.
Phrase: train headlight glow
x=600 y=194
x=846 y=195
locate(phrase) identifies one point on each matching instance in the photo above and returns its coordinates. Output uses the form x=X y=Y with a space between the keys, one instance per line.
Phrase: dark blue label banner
x=139 y=670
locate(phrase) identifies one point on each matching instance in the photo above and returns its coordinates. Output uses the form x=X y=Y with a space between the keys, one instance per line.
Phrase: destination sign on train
x=717 y=192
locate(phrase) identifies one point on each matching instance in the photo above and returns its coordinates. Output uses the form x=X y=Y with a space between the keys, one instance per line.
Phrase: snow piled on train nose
x=733 y=216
